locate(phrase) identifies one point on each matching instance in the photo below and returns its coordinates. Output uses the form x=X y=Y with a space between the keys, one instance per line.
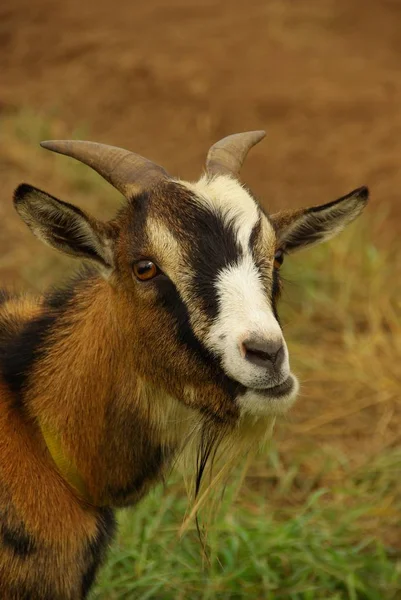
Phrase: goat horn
x=226 y=156
x=127 y=172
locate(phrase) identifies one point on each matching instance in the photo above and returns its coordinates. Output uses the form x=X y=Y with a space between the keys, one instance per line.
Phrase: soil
x=166 y=79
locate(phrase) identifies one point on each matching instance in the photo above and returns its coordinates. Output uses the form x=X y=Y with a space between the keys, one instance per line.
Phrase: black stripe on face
x=276 y=291
x=213 y=247
x=169 y=298
x=137 y=211
x=255 y=233
x=263 y=263
x=209 y=240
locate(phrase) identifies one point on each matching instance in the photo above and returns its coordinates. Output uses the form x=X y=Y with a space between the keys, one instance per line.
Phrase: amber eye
x=278 y=259
x=145 y=270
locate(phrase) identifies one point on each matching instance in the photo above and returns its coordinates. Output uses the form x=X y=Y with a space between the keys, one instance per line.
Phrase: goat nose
x=263 y=353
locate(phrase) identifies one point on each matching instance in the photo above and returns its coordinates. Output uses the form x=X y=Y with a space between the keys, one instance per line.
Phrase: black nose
x=264 y=353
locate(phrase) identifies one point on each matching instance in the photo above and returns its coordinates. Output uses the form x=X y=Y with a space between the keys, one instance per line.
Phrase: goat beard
x=206 y=451
x=209 y=458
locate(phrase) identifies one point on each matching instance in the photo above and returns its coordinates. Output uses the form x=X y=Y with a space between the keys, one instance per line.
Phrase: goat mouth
x=277 y=391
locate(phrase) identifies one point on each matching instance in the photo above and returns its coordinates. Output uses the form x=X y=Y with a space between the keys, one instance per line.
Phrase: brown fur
x=121 y=426
x=115 y=426
x=58 y=531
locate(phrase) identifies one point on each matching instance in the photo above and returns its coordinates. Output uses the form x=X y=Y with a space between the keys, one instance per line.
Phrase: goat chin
x=203 y=439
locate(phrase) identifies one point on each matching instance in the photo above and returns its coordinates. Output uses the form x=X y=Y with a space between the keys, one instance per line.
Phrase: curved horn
x=226 y=156
x=126 y=171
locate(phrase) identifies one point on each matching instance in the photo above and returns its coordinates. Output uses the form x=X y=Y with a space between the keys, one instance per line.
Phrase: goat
x=167 y=347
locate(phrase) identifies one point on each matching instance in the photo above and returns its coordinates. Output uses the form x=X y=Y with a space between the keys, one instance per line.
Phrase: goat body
x=168 y=349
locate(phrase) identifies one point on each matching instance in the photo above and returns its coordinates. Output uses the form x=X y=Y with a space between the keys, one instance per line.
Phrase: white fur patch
x=255 y=403
x=244 y=312
x=227 y=197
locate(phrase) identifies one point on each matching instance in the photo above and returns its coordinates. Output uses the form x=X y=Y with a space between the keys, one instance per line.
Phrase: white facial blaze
x=244 y=313
x=245 y=310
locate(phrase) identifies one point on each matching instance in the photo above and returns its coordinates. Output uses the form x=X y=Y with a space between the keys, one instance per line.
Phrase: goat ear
x=64 y=226
x=304 y=227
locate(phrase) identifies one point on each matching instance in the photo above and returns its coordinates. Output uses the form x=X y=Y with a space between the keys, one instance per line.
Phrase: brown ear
x=296 y=229
x=64 y=226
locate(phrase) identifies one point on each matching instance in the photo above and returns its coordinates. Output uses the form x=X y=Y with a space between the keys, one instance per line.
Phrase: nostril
x=261 y=352
x=279 y=358
x=249 y=353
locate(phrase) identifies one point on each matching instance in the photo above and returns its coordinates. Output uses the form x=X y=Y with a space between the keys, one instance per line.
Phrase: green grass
x=316 y=551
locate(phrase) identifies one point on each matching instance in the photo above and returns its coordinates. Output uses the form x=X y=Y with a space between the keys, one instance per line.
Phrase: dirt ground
x=167 y=79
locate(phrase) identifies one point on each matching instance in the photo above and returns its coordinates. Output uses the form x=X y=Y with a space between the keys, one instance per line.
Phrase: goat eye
x=145 y=270
x=278 y=259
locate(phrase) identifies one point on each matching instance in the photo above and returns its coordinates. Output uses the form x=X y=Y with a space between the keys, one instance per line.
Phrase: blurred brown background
x=167 y=79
